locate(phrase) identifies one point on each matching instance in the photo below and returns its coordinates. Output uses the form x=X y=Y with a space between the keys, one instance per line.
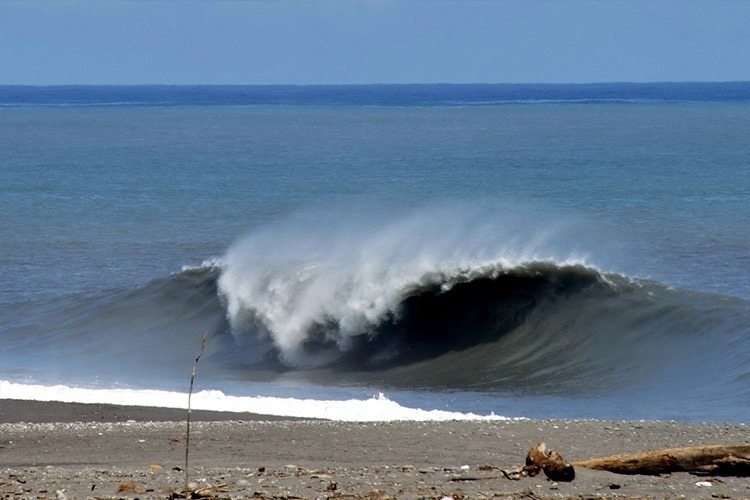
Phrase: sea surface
x=380 y=251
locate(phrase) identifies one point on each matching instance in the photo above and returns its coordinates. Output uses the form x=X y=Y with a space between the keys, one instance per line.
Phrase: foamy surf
x=374 y=409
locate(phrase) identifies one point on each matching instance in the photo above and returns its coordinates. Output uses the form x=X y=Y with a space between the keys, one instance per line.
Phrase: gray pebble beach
x=59 y=450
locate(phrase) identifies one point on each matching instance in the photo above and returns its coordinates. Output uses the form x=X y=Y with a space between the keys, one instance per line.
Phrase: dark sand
x=55 y=450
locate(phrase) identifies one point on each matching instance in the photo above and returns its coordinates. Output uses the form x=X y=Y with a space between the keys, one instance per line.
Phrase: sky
x=372 y=41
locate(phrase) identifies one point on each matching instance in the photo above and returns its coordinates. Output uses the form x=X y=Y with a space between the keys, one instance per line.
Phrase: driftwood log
x=717 y=460
x=551 y=462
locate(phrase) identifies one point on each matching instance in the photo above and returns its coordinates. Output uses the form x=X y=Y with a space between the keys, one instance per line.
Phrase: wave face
x=120 y=336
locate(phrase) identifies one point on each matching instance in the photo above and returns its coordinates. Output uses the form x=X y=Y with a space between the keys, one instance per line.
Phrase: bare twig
x=190 y=396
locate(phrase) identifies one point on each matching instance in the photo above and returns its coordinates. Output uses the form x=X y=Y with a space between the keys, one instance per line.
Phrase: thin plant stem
x=190 y=396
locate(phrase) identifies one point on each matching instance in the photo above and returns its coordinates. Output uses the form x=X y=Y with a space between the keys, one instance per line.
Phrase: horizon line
x=622 y=82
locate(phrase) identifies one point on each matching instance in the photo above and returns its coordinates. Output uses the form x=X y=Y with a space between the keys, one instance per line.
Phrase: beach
x=63 y=450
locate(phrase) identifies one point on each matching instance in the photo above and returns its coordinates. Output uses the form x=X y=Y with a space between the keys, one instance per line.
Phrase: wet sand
x=61 y=450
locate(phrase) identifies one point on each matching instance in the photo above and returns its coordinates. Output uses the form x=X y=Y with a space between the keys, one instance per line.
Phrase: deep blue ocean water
x=529 y=250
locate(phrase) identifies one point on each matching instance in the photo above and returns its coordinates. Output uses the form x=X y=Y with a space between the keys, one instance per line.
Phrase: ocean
x=379 y=252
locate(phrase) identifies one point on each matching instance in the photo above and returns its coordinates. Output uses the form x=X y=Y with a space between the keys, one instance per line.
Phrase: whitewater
x=380 y=253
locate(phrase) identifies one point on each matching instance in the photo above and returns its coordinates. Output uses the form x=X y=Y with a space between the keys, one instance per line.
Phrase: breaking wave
x=320 y=286
x=425 y=303
x=402 y=321
x=438 y=302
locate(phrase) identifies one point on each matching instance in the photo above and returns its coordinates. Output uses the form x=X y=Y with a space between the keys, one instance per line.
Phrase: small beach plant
x=189 y=411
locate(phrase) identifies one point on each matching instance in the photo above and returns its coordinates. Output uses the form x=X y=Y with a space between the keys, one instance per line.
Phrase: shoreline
x=69 y=450
x=35 y=412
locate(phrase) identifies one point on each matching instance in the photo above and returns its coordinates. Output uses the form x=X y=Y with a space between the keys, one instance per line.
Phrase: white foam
x=375 y=409
x=212 y=263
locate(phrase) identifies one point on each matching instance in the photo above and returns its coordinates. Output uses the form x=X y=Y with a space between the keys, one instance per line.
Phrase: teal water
x=298 y=218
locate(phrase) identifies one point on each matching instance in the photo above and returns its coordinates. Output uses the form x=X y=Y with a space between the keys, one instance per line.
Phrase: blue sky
x=372 y=41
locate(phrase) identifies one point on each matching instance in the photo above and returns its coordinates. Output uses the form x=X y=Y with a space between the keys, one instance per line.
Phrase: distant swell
x=367 y=95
